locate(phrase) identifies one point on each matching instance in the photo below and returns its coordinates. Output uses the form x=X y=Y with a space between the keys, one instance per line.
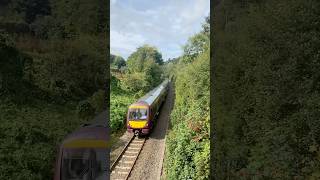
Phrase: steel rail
x=120 y=156
x=135 y=159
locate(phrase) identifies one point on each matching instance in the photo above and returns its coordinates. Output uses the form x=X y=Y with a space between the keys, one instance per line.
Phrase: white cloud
x=113 y=2
x=125 y=43
x=165 y=24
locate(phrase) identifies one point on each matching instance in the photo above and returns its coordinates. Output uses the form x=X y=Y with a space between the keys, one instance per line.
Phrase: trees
x=143 y=58
x=188 y=146
x=265 y=78
x=52 y=71
x=196 y=45
x=134 y=82
x=144 y=68
x=117 y=61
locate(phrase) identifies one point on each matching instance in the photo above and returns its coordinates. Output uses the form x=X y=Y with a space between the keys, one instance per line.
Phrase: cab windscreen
x=138 y=114
x=84 y=164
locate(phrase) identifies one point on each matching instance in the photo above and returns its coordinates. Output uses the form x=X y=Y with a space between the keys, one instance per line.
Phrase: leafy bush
x=134 y=82
x=188 y=146
x=267 y=90
x=29 y=138
x=119 y=103
x=117 y=62
x=144 y=69
x=48 y=62
x=118 y=111
x=85 y=110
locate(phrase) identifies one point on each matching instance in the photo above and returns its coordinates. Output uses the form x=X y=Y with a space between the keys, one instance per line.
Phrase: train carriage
x=141 y=114
x=83 y=155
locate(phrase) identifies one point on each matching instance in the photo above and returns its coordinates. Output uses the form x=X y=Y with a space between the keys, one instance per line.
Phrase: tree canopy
x=188 y=145
x=143 y=58
x=117 y=61
x=143 y=67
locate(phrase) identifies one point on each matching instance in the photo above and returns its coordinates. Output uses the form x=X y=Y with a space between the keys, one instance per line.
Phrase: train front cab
x=82 y=159
x=138 y=119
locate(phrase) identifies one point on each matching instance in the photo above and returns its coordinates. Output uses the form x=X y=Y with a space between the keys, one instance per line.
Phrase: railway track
x=123 y=165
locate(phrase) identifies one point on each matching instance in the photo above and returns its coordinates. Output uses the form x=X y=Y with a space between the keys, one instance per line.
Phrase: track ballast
x=122 y=167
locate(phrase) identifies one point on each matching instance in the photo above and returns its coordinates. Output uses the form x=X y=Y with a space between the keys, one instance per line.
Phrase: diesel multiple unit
x=142 y=114
x=84 y=153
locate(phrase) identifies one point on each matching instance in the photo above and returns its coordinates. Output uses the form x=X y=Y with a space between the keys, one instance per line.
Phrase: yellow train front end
x=138 y=119
x=83 y=155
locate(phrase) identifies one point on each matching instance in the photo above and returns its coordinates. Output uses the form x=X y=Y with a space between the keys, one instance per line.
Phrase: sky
x=165 y=24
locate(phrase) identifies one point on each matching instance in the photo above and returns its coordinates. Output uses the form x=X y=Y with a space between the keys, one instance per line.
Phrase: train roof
x=153 y=94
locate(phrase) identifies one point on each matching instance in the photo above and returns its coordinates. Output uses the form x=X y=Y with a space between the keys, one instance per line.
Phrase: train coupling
x=136 y=133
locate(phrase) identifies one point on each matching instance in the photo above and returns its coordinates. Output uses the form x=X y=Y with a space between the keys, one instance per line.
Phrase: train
x=142 y=114
x=83 y=154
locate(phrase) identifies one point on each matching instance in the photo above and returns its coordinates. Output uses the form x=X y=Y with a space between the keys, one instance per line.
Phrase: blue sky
x=166 y=24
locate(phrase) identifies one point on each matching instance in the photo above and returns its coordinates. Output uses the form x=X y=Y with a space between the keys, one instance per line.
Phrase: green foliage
x=97 y=100
x=142 y=58
x=119 y=102
x=188 y=146
x=143 y=68
x=118 y=111
x=73 y=69
x=267 y=90
x=196 y=45
x=30 y=136
x=153 y=73
x=117 y=61
x=134 y=82
x=52 y=55
x=85 y=110
x=202 y=162
x=180 y=150
x=115 y=85
x=169 y=69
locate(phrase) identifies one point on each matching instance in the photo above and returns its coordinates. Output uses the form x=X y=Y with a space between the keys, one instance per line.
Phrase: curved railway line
x=123 y=165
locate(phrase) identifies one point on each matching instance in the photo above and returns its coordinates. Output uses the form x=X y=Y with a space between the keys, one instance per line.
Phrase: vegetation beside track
x=52 y=78
x=119 y=102
x=267 y=89
x=188 y=146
